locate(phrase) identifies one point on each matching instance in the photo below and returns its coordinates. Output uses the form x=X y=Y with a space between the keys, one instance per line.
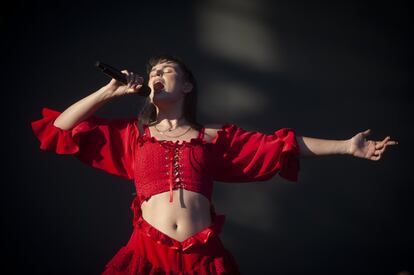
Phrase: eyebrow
x=153 y=69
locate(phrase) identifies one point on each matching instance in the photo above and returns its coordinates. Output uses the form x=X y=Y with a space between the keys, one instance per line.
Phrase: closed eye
x=153 y=74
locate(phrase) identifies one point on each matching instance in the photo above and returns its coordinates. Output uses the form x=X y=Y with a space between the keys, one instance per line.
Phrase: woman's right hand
x=116 y=88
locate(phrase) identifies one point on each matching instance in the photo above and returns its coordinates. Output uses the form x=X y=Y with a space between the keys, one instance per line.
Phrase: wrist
x=345 y=148
x=107 y=93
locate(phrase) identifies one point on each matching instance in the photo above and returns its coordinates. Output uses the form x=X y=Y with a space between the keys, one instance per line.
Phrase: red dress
x=156 y=166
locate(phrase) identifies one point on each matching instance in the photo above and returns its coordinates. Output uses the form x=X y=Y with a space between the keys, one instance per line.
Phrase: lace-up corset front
x=163 y=165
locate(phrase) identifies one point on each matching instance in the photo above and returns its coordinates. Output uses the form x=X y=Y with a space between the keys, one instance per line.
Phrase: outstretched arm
x=356 y=146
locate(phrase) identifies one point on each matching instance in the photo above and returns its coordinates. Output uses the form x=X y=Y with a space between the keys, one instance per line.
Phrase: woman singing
x=173 y=161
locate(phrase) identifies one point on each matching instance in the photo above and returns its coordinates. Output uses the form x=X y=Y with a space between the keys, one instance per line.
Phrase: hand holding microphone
x=124 y=82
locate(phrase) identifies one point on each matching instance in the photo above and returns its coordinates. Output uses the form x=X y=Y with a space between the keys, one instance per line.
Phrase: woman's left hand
x=368 y=149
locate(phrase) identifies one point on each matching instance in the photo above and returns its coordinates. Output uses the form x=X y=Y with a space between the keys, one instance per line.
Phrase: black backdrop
x=328 y=70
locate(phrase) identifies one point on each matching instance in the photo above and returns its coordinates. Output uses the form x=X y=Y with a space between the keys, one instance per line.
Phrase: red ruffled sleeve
x=243 y=156
x=101 y=143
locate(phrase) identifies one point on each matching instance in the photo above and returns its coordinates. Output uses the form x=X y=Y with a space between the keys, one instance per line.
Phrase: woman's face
x=167 y=82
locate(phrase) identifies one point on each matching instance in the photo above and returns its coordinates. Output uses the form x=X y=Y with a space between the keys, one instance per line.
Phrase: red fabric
x=156 y=166
x=243 y=156
x=102 y=143
x=177 y=165
x=149 y=251
x=115 y=146
x=200 y=238
x=234 y=156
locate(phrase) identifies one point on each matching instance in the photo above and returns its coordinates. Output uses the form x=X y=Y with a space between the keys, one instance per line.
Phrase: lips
x=158 y=86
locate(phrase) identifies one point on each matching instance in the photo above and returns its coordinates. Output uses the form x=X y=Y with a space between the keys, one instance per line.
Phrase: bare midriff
x=187 y=214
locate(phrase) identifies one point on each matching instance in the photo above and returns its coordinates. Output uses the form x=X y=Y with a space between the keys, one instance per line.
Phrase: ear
x=188 y=87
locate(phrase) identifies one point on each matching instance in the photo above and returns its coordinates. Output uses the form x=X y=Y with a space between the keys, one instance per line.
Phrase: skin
x=190 y=212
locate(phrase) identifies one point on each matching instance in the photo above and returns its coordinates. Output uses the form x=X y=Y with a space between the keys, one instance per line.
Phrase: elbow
x=62 y=124
x=304 y=150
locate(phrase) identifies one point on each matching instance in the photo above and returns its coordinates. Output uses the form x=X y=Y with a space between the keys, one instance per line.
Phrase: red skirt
x=149 y=251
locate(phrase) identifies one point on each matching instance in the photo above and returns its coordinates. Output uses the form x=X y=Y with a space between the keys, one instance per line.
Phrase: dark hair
x=148 y=113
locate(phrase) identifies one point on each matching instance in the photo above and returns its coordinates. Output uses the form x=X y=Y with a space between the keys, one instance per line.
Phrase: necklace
x=163 y=133
x=169 y=130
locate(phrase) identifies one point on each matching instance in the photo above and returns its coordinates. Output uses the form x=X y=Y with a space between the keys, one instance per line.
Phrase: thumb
x=366 y=132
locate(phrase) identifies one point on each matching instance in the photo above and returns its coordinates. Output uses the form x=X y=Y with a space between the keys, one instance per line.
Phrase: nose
x=158 y=72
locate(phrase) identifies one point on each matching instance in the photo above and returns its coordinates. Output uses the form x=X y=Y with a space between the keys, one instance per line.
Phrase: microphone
x=121 y=77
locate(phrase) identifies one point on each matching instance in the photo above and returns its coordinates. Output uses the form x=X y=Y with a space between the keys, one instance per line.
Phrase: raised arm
x=106 y=144
x=357 y=146
x=85 y=107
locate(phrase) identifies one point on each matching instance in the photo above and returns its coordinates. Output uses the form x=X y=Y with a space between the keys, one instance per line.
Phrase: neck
x=171 y=116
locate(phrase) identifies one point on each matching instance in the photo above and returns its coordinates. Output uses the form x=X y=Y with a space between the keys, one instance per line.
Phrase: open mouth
x=158 y=86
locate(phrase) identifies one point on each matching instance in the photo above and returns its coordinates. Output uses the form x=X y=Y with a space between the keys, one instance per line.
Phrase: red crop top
x=157 y=166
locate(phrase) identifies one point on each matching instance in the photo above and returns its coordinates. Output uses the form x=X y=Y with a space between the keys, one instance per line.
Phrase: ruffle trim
x=289 y=157
x=222 y=132
x=198 y=238
x=55 y=139
x=126 y=261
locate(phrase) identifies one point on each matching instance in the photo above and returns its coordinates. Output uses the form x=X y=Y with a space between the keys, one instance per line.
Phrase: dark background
x=328 y=70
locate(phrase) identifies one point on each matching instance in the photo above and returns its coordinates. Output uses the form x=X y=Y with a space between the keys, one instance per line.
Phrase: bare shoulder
x=210 y=131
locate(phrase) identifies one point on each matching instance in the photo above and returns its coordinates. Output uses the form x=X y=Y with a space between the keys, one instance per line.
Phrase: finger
x=136 y=86
x=380 y=144
x=386 y=139
x=129 y=90
x=131 y=78
x=379 y=152
x=375 y=158
x=392 y=142
x=389 y=142
x=127 y=75
x=139 y=79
